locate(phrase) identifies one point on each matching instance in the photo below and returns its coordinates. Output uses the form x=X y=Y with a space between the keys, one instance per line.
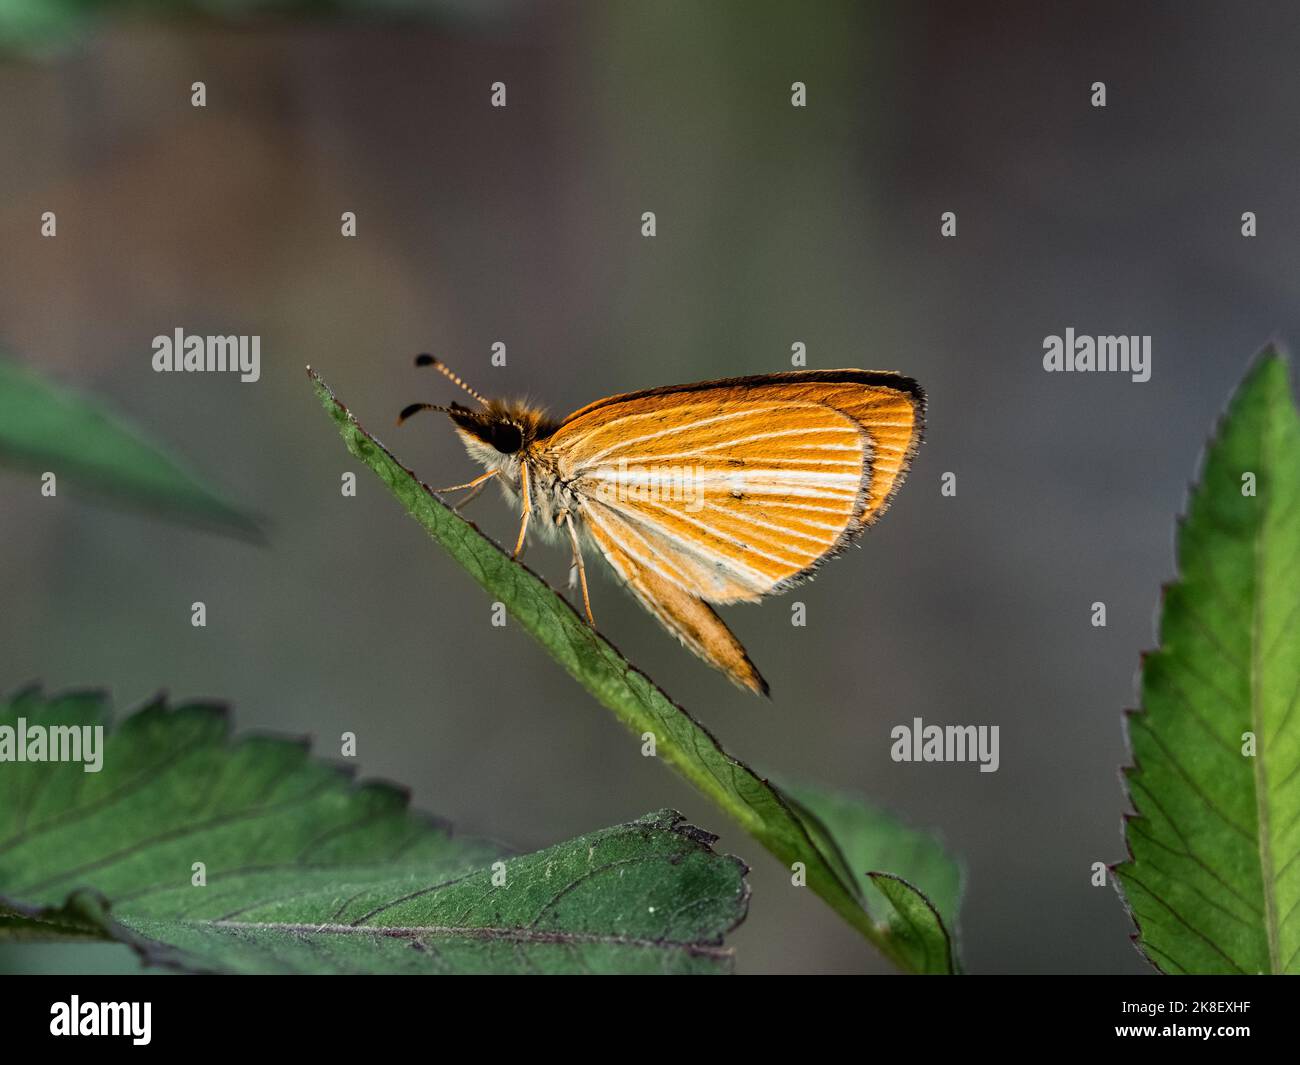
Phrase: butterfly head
x=501 y=427
x=494 y=431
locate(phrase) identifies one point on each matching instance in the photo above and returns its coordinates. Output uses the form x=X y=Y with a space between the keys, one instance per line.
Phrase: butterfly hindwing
x=686 y=616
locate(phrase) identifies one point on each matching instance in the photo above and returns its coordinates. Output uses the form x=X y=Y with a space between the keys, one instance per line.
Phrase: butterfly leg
x=476 y=483
x=582 y=570
x=528 y=508
x=470 y=496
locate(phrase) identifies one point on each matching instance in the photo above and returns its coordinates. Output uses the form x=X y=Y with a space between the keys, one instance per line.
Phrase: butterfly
x=703 y=494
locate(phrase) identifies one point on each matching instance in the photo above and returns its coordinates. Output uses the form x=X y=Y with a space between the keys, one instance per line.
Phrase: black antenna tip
x=414 y=408
x=424 y=359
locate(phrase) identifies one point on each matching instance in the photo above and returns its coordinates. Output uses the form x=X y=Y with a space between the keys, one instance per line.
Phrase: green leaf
x=1213 y=879
x=307 y=872
x=683 y=743
x=44 y=426
x=42 y=26
x=922 y=887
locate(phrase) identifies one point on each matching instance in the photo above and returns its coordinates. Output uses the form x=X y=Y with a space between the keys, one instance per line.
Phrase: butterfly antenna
x=426 y=359
x=415 y=408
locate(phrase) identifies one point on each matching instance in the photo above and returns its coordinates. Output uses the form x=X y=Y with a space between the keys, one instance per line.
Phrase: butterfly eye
x=506 y=438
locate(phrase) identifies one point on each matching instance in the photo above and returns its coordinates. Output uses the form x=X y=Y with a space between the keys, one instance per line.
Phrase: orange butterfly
x=716 y=492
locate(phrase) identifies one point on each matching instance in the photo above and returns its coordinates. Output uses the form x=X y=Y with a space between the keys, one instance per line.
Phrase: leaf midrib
x=489 y=932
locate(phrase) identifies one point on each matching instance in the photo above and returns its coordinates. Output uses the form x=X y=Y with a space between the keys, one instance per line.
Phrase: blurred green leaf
x=38 y=26
x=46 y=427
x=307 y=872
x=683 y=743
x=919 y=894
x=1213 y=881
x=33 y=25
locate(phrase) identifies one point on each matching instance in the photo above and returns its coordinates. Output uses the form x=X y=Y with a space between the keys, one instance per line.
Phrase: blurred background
x=775 y=225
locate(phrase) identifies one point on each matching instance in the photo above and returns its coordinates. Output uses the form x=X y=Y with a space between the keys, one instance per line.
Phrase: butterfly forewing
x=733 y=489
